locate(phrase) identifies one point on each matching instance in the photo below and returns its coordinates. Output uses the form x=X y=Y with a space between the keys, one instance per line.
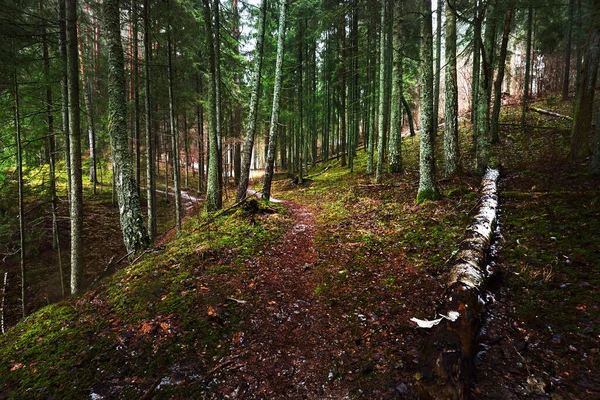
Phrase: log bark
x=446 y=362
x=550 y=113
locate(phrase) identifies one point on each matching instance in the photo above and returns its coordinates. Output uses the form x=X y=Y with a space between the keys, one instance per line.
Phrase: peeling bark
x=446 y=362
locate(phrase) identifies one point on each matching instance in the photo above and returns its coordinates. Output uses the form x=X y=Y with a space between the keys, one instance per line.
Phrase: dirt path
x=289 y=334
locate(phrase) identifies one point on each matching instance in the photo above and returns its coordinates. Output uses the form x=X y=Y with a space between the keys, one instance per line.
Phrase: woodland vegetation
x=252 y=199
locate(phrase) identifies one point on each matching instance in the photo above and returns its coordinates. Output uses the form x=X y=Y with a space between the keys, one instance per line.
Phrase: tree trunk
x=525 y=99
x=427 y=185
x=19 y=168
x=213 y=191
x=567 y=72
x=174 y=134
x=446 y=362
x=266 y=192
x=395 y=151
x=584 y=103
x=451 y=149
x=89 y=109
x=438 y=69
x=150 y=173
x=200 y=118
x=135 y=235
x=218 y=95
x=64 y=84
x=382 y=82
x=52 y=156
x=76 y=204
x=250 y=130
x=500 y=74
x=136 y=94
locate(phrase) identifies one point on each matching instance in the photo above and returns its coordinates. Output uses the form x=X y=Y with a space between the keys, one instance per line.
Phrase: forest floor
x=312 y=297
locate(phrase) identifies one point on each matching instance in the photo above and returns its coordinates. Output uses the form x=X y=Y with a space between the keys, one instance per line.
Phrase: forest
x=299 y=199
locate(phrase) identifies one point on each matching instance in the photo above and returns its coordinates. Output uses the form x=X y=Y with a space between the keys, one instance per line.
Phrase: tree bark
x=135 y=235
x=382 y=89
x=567 y=72
x=446 y=362
x=266 y=192
x=150 y=170
x=584 y=102
x=525 y=99
x=64 y=84
x=438 y=69
x=174 y=133
x=395 y=152
x=451 y=149
x=500 y=74
x=76 y=204
x=427 y=185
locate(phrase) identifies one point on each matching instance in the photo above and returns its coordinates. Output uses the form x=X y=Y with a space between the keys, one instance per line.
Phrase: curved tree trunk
x=446 y=362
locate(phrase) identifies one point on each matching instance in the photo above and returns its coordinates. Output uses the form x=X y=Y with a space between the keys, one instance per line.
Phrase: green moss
x=427 y=195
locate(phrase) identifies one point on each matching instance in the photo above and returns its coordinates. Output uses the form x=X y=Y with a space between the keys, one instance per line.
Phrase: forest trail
x=288 y=333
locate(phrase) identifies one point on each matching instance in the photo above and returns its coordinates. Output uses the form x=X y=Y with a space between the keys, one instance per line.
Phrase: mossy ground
x=382 y=258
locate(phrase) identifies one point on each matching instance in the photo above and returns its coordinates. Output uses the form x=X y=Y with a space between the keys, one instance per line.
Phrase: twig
x=149 y=392
x=237 y=301
x=140 y=256
x=2 y=304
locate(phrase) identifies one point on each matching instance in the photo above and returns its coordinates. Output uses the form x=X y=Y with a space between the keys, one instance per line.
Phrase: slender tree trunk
x=482 y=143
x=64 y=84
x=150 y=173
x=135 y=235
x=344 y=132
x=500 y=74
x=174 y=135
x=395 y=151
x=200 y=118
x=438 y=69
x=237 y=117
x=213 y=191
x=76 y=205
x=19 y=167
x=382 y=89
x=567 y=73
x=451 y=149
x=525 y=99
x=136 y=95
x=427 y=184
x=476 y=64
x=218 y=95
x=584 y=102
x=52 y=155
x=87 y=97
x=266 y=192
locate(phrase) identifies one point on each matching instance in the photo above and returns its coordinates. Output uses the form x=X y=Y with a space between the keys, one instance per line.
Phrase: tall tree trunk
x=250 y=129
x=584 y=102
x=200 y=119
x=135 y=235
x=438 y=69
x=427 y=185
x=19 y=168
x=76 y=205
x=174 y=134
x=525 y=99
x=52 y=155
x=477 y=19
x=266 y=192
x=214 y=200
x=451 y=149
x=500 y=74
x=237 y=114
x=382 y=89
x=136 y=94
x=344 y=128
x=150 y=173
x=567 y=72
x=300 y=89
x=64 y=84
x=89 y=109
x=218 y=94
x=482 y=143
x=395 y=151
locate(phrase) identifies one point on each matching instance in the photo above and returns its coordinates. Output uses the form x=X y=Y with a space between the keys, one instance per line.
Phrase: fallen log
x=446 y=362
x=550 y=113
